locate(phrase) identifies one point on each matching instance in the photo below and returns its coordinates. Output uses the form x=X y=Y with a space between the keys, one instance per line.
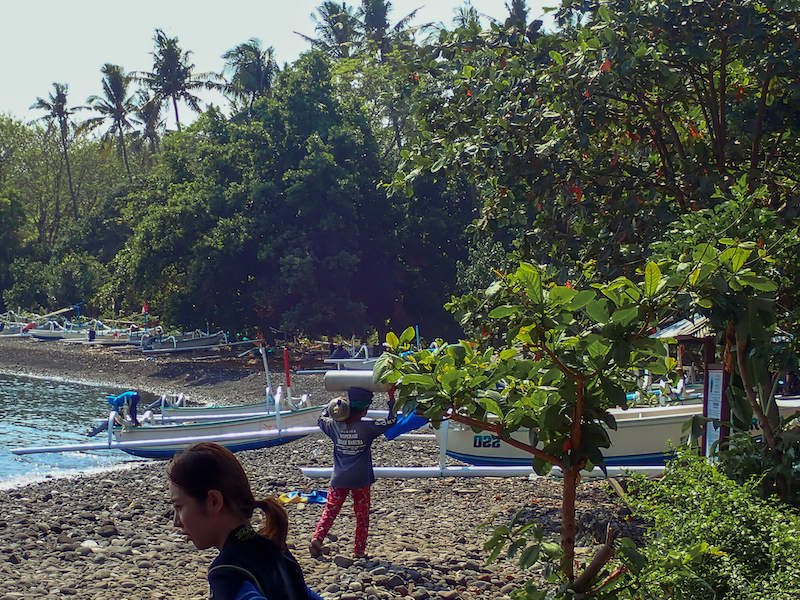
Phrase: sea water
x=47 y=412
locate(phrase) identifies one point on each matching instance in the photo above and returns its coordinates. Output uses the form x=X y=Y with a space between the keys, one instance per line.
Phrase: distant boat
x=640 y=438
x=359 y=361
x=10 y=329
x=53 y=330
x=195 y=340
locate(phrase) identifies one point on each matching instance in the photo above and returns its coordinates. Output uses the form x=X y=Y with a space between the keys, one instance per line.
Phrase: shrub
x=758 y=540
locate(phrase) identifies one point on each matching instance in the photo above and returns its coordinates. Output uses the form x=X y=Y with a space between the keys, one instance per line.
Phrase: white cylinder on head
x=340 y=381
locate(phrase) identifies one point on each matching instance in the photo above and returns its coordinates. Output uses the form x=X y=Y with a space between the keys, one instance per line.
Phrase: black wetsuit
x=248 y=556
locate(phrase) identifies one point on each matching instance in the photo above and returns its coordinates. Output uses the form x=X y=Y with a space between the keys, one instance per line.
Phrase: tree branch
x=498 y=430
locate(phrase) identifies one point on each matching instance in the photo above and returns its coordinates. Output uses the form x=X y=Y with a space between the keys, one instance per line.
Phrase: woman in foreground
x=213 y=506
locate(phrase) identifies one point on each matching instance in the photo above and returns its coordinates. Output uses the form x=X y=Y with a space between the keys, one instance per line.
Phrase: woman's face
x=193 y=517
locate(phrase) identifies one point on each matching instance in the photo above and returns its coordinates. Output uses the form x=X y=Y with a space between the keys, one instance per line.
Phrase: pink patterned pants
x=336 y=498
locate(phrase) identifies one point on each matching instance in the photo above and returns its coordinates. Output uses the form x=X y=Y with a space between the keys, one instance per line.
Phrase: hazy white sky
x=54 y=40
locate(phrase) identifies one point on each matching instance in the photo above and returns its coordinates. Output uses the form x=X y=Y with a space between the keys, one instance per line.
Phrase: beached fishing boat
x=10 y=328
x=161 y=438
x=237 y=411
x=641 y=437
x=195 y=340
x=53 y=330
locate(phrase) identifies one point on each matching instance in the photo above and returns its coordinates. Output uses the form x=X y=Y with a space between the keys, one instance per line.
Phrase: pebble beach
x=110 y=534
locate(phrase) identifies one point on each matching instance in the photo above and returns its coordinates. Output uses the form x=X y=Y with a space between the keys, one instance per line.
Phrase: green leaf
x=383 y=366
x=494 y=288
x=408 y=335
x=581 y=299
x=556 y=57
x=560 y=294
x=759 y=283
x=739 y=258
x=508 y=353
x=625 y=316
x=491 y=406
x=551 y=549
x=598 y=310
x=529 y=556
x=451 y=378
x=614 y=393
x=392 y=341
x=417 y=379
x=652 y=277
x=504 y=310
x=604 y=13
x=438 y=164
x=532 y=279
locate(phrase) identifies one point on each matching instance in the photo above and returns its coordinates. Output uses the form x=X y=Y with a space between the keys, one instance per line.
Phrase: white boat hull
x=353 y=364
x=254 y=425
x=641 y=438
x=187 y=342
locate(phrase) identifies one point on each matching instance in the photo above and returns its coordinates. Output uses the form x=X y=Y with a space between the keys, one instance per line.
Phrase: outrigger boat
x=641 y=438
x=164 y=440
x=196 y=340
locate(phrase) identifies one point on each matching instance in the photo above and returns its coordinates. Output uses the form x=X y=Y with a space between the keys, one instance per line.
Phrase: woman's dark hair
x=207 y=466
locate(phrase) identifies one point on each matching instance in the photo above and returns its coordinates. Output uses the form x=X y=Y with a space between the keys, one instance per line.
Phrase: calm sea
x=45 y=412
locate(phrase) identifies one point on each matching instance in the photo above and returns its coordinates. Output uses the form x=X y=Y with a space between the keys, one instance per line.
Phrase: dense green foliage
x=757 y=540
x=575 y=147
x=579 y=187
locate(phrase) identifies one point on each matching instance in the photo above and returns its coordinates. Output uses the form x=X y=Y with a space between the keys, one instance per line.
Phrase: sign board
x=715 y=406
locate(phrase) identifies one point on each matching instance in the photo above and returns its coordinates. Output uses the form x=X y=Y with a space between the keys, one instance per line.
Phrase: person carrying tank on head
x=343 y=420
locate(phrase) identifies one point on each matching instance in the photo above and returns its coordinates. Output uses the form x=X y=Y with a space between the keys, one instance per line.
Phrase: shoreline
x=109 y=533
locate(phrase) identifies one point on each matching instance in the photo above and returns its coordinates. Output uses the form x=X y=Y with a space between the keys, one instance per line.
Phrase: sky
x=68 y=42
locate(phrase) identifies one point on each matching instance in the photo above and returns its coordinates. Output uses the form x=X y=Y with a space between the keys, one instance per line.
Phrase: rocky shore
x=110 y=535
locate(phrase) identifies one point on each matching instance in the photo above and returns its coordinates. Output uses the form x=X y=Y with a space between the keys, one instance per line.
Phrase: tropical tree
x=589 y=142
x=517 y=13
x=252 y=71
x=115 y=106
x=148 y=114
x=173 y=77
x=467 y=18
x=12 y=217
x=59 y=113
x=337 y=29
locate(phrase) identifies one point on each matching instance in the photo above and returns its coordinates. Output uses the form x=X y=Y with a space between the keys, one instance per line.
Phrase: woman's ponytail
x=276 y=523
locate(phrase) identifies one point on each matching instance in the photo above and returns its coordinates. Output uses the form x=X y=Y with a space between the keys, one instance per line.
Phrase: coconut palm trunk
x=69 y=173
x=175 y=106
x=124 y=152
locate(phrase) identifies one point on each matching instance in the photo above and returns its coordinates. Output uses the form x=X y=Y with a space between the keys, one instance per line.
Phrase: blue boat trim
x=655 y=459
x=167 y=453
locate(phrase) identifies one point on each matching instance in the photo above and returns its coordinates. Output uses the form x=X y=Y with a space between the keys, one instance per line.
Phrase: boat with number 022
x=641 y=438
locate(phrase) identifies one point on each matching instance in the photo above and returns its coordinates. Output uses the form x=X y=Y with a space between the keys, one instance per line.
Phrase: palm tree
x=517 y=14
x=115 y=105
x=172 y=77
x=374 y=16
x=148 y=114
x=337 y=28
x=373 y=22
x=252 y=70
x=58 y=112
x=467 y=19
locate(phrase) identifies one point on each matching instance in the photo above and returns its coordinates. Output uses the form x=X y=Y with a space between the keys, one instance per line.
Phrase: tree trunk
x=568 y=526
x=124 y=152
x=175 y=106
x=69 y=173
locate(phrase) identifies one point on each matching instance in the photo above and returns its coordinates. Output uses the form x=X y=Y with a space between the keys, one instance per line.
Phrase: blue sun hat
x=359 y=398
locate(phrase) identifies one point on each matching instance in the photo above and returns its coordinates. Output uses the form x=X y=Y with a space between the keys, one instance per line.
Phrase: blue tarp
x=404 y=424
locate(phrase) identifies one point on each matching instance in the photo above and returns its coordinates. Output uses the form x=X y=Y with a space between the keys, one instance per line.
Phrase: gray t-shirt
x=352 y=449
